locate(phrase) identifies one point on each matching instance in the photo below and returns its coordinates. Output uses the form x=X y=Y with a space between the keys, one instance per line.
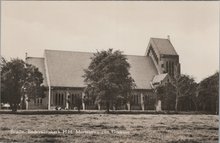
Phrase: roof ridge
x=89 y=52
x=159 y=38
x=69 y=51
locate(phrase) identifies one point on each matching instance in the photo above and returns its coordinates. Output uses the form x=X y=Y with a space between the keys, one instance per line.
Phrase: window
x=38 y=101
x=169 y=67
x=56 y=99
x=71 y=99
x=135 y=99
x=61 y=99
x=172 y=65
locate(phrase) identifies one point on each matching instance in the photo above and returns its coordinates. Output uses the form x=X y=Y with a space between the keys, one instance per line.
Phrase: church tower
x=164 y=56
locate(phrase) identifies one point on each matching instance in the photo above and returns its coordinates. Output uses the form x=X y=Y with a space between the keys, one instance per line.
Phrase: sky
x=88 y=26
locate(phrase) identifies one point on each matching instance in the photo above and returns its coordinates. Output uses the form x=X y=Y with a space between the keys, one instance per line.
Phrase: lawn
x=109 y=128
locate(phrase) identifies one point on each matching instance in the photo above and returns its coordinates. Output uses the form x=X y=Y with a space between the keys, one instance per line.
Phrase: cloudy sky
x=32 y=27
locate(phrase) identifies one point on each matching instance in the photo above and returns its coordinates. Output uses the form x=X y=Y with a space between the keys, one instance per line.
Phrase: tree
x=108 y=77
x=3 y=63
x=19 y=79
x=178 y=88
x=184 y=86
x=208 y=93
x=166 y=93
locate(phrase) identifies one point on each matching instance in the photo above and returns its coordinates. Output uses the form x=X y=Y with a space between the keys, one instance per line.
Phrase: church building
x=63 y=70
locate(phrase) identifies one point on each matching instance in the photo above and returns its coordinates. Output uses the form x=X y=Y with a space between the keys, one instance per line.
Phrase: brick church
x=63 y=70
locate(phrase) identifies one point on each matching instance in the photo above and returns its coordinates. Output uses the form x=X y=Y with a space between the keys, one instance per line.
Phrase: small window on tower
x=162 y=65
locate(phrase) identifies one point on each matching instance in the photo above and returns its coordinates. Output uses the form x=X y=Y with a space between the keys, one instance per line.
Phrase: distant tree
x=19 y=79
x=208 y=93
x=108 y=77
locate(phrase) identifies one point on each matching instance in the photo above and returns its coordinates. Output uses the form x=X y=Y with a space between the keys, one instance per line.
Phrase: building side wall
x=39 y=103
x=148 y=100
x=59 y=98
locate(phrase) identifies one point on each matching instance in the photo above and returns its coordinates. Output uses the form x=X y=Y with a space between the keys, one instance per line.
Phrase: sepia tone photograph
x=109 y=71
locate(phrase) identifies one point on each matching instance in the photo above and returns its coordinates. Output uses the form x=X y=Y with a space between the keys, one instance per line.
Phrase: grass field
x=109 y=128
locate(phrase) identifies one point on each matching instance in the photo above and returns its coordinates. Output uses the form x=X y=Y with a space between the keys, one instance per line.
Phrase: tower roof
x=163 y=46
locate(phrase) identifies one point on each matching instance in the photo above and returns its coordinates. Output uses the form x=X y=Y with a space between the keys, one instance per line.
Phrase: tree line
x=184 y=94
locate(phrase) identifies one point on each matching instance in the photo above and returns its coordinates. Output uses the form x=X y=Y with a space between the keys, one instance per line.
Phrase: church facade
x=63 y=70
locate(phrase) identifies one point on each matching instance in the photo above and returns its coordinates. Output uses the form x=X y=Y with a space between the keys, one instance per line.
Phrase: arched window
x=61 y=99
x=56 y=99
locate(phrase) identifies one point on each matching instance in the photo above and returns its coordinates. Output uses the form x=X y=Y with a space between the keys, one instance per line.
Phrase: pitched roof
x=65 y=68
x=163 y=46
x=39 y=63
x=159 y=78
